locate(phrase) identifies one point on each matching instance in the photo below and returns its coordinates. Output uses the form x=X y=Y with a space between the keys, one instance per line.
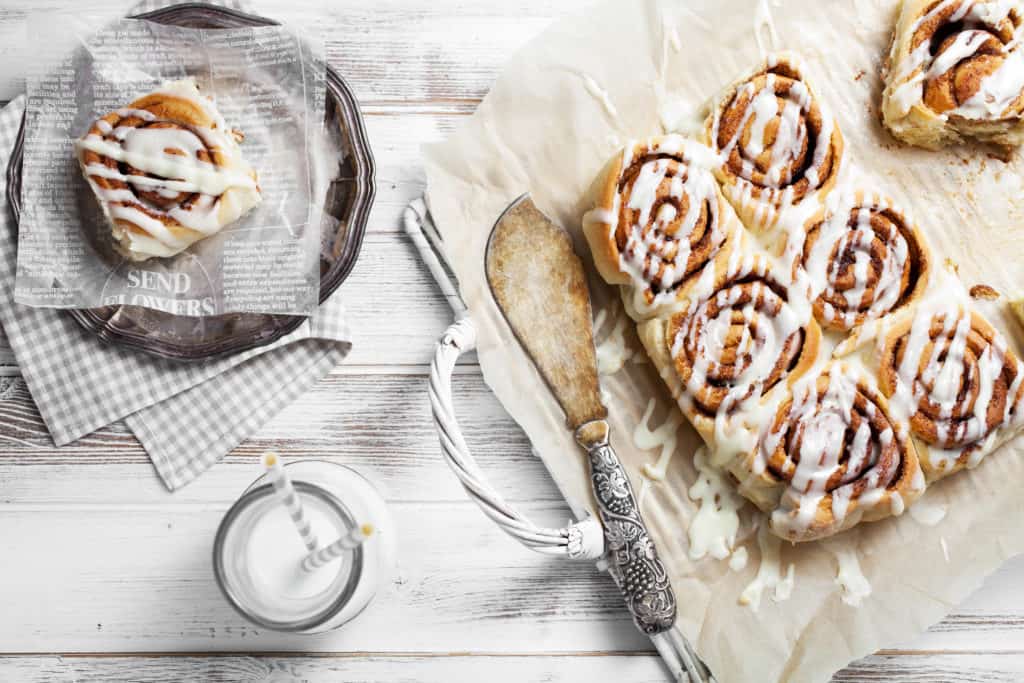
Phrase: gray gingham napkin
x=187 y=416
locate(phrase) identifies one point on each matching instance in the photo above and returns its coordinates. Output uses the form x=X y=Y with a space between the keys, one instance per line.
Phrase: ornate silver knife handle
x=632 y=556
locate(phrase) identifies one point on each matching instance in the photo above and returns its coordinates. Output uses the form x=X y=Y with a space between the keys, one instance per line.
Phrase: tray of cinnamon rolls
x=794 y=311
x=199 y=238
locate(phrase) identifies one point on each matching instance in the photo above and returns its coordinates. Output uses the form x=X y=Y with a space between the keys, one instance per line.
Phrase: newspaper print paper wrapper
x=267 y=82
x=563 y=106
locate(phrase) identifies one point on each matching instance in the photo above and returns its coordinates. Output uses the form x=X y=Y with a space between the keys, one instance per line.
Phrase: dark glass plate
x=348 y=200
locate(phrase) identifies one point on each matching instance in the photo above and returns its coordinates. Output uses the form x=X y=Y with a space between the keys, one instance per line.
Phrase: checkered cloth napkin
x=187 y=416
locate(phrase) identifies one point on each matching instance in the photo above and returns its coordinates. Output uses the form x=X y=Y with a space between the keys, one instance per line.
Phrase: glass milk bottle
x=258 y=552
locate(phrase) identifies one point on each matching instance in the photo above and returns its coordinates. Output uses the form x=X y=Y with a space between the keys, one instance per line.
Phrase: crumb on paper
x=861 y=73
x=984 y=292
x=952 y=265
x=998 y=154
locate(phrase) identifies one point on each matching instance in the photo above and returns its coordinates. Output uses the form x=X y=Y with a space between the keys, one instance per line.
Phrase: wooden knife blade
x=538 y=281
x=540 y=286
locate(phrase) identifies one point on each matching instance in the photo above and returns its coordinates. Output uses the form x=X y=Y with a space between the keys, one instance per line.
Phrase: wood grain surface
x=107 y=576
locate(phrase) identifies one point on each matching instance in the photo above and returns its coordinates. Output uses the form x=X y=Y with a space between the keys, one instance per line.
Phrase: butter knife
x=538 y=283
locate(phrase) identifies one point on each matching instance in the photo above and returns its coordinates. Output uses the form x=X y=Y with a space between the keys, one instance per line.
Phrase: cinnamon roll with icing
x=742 y=334
x=956 y=381
x=659 y=221
x=166 y=171
x=832 y=456
x=864 y=259
x=779 y=145
x=956 y=71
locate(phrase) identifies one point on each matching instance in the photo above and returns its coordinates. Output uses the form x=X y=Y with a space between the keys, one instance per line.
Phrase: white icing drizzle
x=848 y=230
x=928 y=513
x=764 y=28
x=657 y=249
x=738 y=560
x=849 y=577
x=663 y=437
x=997 y=91
x=775 y=188
x=713 y=529
x=762 y=342
x=601 y=95
x=671 y=34
x=612 y=352
x=168 y=164
x=144 y=150
x=769 y=573
x=943 y=375
x=679 y=115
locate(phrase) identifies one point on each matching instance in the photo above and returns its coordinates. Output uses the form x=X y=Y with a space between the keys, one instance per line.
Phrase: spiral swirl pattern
x=956 y=70
x=840 y=455
x=777 y=144
x=863 y=261
x=166 y=172
x=958 y=380
x=662 y=216
x=738 y=341
x=967 y=42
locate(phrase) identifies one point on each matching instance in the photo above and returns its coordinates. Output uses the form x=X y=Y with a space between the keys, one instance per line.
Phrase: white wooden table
x=104 y=575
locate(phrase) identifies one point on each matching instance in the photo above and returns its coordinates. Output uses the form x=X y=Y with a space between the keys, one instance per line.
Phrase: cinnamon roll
x=832 y=456
x=779 y=146
x=742 y=334
x=166 y=171
x=863 y=260
x=952 y=374
x=660 y=219
x=955 y=71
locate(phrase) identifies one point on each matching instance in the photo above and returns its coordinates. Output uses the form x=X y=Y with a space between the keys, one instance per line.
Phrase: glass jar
x=257 y=552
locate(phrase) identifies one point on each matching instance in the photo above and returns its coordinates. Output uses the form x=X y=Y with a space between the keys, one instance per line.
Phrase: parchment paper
x=562 y=107
x=267 y=82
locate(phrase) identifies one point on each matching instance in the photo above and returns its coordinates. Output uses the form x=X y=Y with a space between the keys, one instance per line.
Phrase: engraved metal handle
x=632 y=557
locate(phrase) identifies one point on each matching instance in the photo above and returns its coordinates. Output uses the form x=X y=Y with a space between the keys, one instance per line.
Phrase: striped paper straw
x=283 y=486
x=352 y=539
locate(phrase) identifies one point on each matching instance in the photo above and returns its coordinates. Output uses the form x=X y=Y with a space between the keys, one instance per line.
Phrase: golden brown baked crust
x=837 y=456
x=960 y=381
x=956 y=71
x=780 y=147
x=865 y=259
x=166 y=172
x=659 y=220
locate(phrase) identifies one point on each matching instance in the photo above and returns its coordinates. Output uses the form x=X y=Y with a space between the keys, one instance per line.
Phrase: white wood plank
x=377 y=669
x=347 y=419
x=396 y=137
x=642 y=668
x=979 y=667
x=397 y=313
x=463 y=586
x=137 y=578
x=389 y=50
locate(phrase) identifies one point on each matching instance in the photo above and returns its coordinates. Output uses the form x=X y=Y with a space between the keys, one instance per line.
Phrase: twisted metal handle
x=581 y=540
